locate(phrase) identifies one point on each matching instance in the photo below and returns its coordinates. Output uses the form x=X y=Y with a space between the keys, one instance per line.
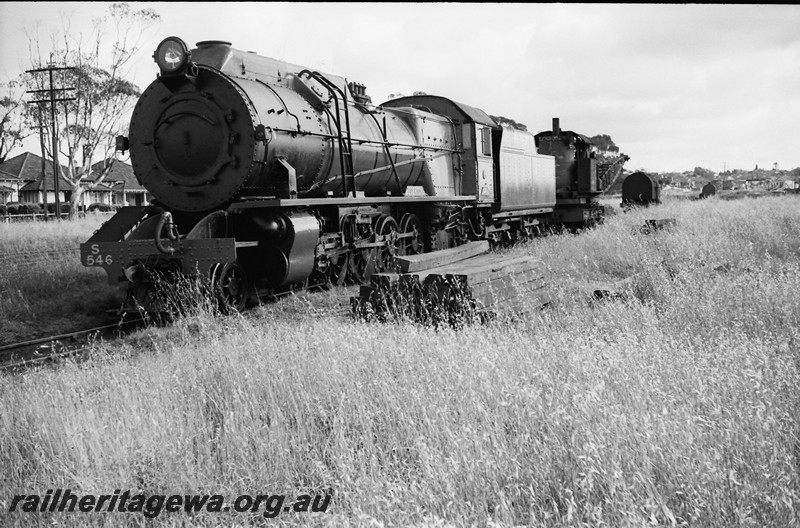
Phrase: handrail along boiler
x=265 y=174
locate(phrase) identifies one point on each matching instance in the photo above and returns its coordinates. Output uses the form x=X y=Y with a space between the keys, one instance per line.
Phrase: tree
x=604 y=143
x=700 y=172
x=87 y=126
x=12 y=119
x=500 y=120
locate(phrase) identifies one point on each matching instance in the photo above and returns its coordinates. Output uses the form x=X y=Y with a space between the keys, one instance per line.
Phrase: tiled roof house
x=122 y=183
x=21 y=181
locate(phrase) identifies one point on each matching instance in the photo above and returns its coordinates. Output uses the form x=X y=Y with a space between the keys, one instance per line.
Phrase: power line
x=52 y=100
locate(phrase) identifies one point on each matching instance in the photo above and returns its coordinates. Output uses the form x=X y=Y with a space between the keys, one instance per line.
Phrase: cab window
x=486 y=141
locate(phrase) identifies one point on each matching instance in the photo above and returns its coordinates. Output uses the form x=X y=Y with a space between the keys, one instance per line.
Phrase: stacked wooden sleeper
x=455 y=287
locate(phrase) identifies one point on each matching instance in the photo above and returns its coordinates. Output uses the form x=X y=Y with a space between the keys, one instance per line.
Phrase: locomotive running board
x=301 y=202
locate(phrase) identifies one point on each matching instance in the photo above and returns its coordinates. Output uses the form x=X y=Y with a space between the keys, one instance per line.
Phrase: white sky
x=675 y=86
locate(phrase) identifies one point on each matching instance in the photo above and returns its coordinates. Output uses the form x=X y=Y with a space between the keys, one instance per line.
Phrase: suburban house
x=21 y=181
x=9 y=188
x=27 y=169
x=121 y=182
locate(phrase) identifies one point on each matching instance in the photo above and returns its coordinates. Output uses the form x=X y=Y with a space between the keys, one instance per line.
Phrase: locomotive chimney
x=556 y=127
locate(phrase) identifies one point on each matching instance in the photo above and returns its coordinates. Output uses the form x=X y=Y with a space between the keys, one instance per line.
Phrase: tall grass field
x=675 y=403
x=44 y=289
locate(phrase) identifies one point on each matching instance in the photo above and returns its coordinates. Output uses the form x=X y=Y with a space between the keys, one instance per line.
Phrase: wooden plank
x=518 y=307
x=487 y=278
x=425 y=261
x=473 y=264
x=483 y=283
x=507 y=295
x=522 y=275
x=517 y=279
x=508 y=286
x=535 y=298
x=478 y=275
x=485 y=259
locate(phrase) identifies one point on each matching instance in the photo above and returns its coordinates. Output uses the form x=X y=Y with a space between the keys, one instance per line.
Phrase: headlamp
x=172 y=56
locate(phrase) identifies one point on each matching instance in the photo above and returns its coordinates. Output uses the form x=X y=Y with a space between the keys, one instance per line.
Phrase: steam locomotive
x=266 y=174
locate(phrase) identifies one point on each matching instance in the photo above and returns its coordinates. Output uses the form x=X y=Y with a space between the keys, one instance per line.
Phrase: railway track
x=26 y=354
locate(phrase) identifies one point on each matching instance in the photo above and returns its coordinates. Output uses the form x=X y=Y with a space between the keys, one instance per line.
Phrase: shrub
x=65 y=208
x=105 y=208
x=29 y=208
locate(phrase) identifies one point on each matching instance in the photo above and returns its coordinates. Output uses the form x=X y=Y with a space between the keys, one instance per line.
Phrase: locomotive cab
x=576 y=166
x=471 y=129
x=577 y=182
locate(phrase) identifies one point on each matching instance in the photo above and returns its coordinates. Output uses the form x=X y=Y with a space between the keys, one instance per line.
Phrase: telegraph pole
x=44 y=167
x=52 y=100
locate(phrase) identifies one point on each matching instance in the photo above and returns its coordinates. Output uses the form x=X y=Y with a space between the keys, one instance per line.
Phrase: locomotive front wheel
x=387 y=227
x=229 y=283
x=414 y=244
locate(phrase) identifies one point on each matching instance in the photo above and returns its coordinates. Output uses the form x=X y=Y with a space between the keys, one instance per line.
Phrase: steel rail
x=7 y=352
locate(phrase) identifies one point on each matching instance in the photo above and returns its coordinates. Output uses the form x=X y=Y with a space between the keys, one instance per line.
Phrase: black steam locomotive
x=266 y=174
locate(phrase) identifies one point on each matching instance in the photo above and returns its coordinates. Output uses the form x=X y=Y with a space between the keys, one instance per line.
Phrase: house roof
x=120 y=173
x=4 y=189
x=4 y=176
x=63 y=185
x=119 y=187
x=27 y=167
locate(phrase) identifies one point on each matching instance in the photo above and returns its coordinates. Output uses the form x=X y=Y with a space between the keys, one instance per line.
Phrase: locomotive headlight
x=172 y=56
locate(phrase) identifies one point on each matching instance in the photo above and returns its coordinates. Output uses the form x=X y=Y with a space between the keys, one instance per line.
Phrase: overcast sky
x=675 y=86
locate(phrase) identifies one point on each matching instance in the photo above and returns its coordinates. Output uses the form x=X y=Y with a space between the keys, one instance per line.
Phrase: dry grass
x=44 y=289
x=675 y=406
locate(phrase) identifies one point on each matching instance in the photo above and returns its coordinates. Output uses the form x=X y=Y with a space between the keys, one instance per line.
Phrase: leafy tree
x=700 y=172
x=86 y=127
x=604 y=143
x=12 y=119
x=500 y=120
